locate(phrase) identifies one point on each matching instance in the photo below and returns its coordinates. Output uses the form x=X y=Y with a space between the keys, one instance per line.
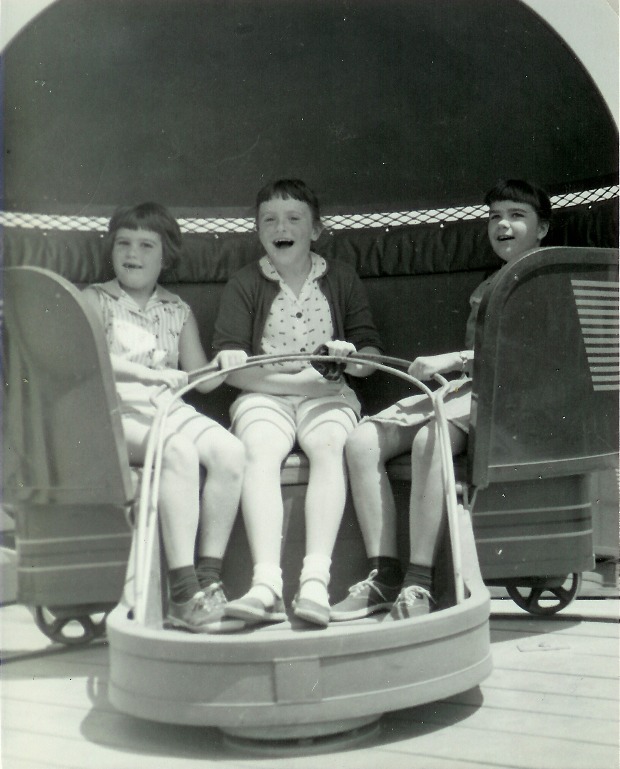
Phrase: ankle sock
x=266 y=583
x=208 y=570
x=183 y=584
x=389 y=570
x=314 y=578
x=422 y=576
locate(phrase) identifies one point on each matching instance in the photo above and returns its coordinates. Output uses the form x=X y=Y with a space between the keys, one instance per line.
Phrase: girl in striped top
x=153 y=340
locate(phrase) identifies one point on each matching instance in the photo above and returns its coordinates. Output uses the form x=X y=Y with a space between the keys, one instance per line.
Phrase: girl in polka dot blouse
x=293 y=300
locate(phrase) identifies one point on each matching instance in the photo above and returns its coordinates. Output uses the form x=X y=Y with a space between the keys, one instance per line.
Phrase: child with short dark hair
x=290 y=301
x=519 y=216
x=150 y=333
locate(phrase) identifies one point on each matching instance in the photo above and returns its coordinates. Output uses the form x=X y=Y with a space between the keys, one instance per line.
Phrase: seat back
x=63 y=435
x=544 y=410
x=546 y=377
x=66 y=472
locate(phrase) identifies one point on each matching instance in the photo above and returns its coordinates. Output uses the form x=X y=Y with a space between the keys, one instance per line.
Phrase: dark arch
x=379 y=104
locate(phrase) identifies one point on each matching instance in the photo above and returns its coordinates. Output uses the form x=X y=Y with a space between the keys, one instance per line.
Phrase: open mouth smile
x=283 y=243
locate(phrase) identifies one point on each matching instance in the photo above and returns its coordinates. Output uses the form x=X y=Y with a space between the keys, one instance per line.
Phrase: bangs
x=295 y=189
x=521 y=192
x=155 y=218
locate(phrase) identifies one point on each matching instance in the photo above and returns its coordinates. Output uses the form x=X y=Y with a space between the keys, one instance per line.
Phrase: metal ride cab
x=544 y=418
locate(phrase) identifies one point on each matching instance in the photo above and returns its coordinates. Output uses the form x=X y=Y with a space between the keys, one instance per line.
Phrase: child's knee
x=222 y=453
x=327 y=443
x=263 y=461
x=266 y=450
x=424 y=442
x=180 y=454
x=361 y=447
x=236 y=451
x=230 y=456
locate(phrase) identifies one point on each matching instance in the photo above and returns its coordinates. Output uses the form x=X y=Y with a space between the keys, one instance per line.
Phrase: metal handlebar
x=146 y=524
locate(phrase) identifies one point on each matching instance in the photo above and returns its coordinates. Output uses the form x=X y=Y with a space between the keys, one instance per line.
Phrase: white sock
x=266 y=583
x=315 y=578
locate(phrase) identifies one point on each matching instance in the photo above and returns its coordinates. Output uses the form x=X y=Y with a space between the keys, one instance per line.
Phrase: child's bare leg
x=223 y=456
x=368 y=449
x=426 y=517
x=324 y=506
x=178 y=507
x=327 y=486
x=179 y=512
x=266 y=446
x=190 y=607
x=178 y=502
x=427 y=502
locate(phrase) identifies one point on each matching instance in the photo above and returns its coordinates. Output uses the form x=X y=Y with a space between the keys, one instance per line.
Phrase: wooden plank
x=519 y=715
x=581 y=609
x=594 y=646
x=401 y=745
x=19 y=633
x=58 y=662
x=580 y=630
x=584 y=628
x=489 y=747
x=545 y=700
x=98 y=732
x=540 y=709
x=562 y=665
x=14 y=762
x=53 y=693
x=534 y=682
x=81 y=753
x=560 y=656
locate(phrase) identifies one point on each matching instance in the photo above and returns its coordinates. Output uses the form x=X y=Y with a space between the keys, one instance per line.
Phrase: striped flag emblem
x=597 y=307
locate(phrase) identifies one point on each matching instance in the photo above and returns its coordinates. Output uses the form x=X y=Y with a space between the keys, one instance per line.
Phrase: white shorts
x=138 y=415
x=295 y=415
x=418 y=409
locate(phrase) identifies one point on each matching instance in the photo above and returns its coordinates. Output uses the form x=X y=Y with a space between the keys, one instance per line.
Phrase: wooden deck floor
x=550 y=703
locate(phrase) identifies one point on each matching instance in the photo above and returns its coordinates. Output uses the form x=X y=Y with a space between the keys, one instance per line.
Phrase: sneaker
x=214 y=595
x=412 y=601
x=193 y=615
x=365 y=598
x=216 y=621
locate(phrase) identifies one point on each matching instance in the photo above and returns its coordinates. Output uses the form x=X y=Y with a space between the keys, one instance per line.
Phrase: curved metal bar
x=147 y=511
x=357 y=357
x=447 y=469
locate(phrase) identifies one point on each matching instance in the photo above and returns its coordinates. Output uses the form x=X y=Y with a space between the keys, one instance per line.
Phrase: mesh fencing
x=220 y=225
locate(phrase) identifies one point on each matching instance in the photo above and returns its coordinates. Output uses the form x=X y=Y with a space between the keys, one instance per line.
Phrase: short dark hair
x=522 y=192
x=153 y=217
x=290 y=188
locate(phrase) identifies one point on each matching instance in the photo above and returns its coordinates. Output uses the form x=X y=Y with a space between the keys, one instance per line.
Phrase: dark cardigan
x=249 y=294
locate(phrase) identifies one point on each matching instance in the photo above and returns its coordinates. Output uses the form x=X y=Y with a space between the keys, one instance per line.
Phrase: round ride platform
x=291 y=681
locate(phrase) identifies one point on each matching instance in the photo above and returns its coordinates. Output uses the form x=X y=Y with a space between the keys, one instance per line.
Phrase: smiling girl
x=293 y=301
x=153 y=339
x=519 y=215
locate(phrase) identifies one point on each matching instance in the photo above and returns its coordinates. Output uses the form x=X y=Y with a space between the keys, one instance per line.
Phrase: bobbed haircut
x=153 y=217
x=290 y=188
x=521 y=191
